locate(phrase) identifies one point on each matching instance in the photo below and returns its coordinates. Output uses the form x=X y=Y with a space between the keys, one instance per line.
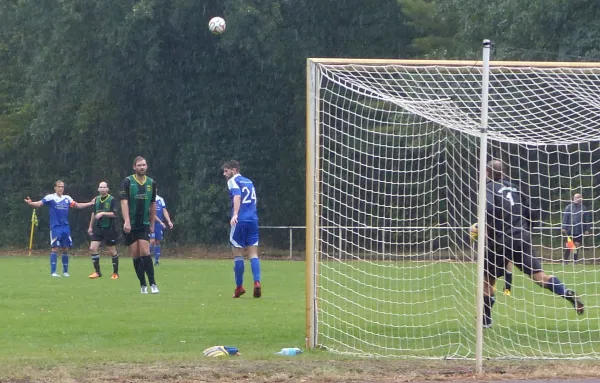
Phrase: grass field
x=76 y=329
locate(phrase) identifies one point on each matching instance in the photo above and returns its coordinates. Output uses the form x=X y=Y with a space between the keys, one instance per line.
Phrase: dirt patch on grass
x=299 y=370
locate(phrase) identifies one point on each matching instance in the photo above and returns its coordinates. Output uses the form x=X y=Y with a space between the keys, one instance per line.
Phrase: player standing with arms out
x=138 y=206
x=162 y=214
x=60 y=233
x=509 y=240
x=244 y=227
x=102 y=228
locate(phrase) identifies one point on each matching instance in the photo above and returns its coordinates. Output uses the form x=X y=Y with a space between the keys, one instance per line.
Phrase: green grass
x=77 y=321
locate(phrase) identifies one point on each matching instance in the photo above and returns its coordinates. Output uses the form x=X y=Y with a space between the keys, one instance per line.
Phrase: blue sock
x=556 y=286
x=255 y=265
x=53 y=259
x=151 y=249
x=156 y=253
x=238 y=269
x=65 y=262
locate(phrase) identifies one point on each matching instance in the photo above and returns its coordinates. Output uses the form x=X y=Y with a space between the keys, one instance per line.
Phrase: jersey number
x=248 y=196
x=509 y=197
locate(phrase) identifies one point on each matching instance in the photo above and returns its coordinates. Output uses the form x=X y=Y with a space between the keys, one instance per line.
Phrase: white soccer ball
x=217 y=25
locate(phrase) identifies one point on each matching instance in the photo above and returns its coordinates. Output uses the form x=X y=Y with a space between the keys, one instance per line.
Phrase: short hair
x=57 y=182
x=495 y=169
x=138 y=159
x=232 y=164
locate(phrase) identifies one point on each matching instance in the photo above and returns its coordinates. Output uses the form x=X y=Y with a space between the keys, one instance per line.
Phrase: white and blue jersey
x=158 y=229
x=58 y=208
x=245 y=232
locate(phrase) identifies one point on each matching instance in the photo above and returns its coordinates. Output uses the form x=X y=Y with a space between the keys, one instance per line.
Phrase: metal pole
x=481 y=210
x=291 y=242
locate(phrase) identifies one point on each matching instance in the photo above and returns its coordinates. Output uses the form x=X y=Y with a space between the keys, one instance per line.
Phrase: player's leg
x=236 y=238
x=134 y=251
x=143 y=241
x=152 y=241
x=566 y=253
x=54 y=244
x=252 y=251
x=508 y=278
x=110 y=239
x=494 y=266
x=94 y=253
x=489 y=286
x=66 y=243
x=158 y=236
x=577 y=241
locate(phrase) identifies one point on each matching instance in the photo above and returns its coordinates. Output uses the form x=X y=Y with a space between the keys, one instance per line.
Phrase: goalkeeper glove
x=474 y=232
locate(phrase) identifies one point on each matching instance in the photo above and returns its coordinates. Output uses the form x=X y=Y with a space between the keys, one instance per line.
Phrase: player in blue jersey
x=162 y=216
x=244 y=227
x=60 y=233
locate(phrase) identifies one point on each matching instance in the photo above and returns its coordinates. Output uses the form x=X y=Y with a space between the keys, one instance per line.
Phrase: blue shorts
x=60 y=236
x=158 y=232
x=244 y=234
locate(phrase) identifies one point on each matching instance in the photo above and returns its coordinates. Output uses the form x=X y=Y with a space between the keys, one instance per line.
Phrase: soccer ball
x=217 y=25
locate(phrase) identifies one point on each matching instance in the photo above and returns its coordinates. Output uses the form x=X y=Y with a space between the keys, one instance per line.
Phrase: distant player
x=102 y=229
x=162 y=215
x=138 y=206
x=244 y=227
x=577 y=221
x=60 y=233
x=509 y=240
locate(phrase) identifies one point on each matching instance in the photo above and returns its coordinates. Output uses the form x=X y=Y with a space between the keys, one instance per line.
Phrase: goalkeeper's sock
x=508 y=279
x=255 y=266
x=96 y=262
x=53 y=260
x=65 y=262
x=156 y=253
x=556 y=286
x=238 y=270
x=139 y=270
x=148 y=268
x=115 y=263
x=488 y=302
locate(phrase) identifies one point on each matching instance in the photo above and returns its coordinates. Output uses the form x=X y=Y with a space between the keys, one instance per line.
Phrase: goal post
x=395 y=150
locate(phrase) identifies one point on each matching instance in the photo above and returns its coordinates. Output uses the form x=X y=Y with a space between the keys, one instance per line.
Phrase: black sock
x=149 y=268
x=567 y=254
x=508 y=278
x=115 y=262
x=488 y=302
x=139 y=270
x=96 y=262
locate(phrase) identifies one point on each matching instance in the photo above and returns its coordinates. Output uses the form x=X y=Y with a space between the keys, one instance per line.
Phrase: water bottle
x=289 y=351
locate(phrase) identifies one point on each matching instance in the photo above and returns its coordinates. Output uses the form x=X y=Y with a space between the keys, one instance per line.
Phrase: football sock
x=96 y=262
x=139 y=270
x=508 y=278
x=65 y=262
x=156 y=253
x=556 y=286
x=488 y=302
x=575 y=254
x=238 y=269
x=255 y=265
x=115 y=263
x=148 y=268
x=53 y=259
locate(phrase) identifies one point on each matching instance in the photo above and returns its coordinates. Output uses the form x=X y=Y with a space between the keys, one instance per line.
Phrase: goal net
x=392 y=181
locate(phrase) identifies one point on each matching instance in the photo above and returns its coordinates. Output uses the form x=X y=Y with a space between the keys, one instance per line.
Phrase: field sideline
x=74 y=329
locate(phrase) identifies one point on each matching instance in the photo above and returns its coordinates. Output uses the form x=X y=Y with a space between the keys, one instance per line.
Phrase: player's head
x=495 y=170
x=231 y=168
x=59 y=187
x=103 y=189
x=577 y=198
x=140 y=166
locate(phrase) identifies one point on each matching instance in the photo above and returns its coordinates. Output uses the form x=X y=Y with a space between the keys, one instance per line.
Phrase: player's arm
x=91 y=226
x=83 y=205
x=168 y=218
x=566 y=219
x=110 y=214
x=587 y=221
x=124 y=194
x=33 y=204
x=237 y=202
x=153 y=208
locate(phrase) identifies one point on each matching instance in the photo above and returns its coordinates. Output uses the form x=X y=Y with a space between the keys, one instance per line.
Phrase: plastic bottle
x=289 y=351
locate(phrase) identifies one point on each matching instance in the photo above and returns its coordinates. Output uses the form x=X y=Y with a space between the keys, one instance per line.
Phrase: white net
x=397 y=184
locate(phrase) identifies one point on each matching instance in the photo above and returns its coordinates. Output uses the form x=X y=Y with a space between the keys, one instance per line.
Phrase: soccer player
x=60 y=233
x=162 y=214
x=102 y=229
x=138 y=206
x=244 y=227
x=509 y=240
x=576 y=222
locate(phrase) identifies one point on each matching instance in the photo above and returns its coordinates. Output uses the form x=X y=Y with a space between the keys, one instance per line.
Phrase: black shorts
x=108 y=235
x=137 y=234
x=517 y=250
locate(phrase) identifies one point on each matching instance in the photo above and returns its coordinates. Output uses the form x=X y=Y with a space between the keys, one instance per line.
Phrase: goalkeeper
x=509 y=240
x=508 y=272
